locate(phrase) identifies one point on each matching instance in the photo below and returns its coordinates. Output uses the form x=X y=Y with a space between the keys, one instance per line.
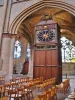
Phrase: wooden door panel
x=48 y=72
x=54 y=58
x=55 y=73
x=46 y=65
x=48 y=58
x=42 y=72
x=39 y=58
x=36 y=72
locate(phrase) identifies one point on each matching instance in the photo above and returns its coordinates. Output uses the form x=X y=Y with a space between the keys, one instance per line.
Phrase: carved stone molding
x=17 y=1
x=7 y=35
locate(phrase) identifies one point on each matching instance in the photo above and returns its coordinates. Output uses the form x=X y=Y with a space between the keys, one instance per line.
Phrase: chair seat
x=36 y=98
x=27 y=90
x=5 y=98
x=17 y=95
x=8 y=88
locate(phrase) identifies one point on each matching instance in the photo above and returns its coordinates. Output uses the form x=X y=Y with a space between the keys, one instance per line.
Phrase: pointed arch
x=48 y=3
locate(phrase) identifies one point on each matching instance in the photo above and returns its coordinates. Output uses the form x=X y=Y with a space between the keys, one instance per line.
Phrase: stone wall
x=68 y=68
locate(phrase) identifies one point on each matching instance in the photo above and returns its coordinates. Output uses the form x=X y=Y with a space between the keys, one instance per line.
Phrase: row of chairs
x=24 y=84
x=27 y=80
x=15 y=91
x=64 y=86
x=50 y=94
x=47 y=84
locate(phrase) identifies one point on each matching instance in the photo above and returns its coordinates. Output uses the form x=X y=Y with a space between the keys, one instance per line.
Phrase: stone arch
x=48 y=3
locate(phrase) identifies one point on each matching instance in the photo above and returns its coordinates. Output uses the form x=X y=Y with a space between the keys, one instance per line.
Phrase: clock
x=46 y=35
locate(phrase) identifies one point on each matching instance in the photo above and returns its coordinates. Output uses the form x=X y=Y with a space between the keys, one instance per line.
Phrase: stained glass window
x=17 y=49
x=68 y=50
x=28 y=52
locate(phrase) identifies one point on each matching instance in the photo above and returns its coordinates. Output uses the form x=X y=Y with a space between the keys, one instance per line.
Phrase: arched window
x=17 y=49
x=68 y=50
x=28 y=52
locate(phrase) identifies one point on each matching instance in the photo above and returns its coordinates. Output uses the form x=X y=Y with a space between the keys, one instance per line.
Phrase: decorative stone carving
x=7 y=35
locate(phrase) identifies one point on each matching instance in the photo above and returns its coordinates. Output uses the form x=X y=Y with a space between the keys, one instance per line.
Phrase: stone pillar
x=7 y=16
x=5 y=52
x=11 y=58
x=30 y=70
x=5 y=19
x=4 y=27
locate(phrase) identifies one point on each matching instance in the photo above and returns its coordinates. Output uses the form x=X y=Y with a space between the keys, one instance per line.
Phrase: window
x=68 y=50
x=28 y=52
x=17 y=49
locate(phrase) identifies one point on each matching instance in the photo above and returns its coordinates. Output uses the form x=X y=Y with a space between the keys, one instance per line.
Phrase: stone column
x=30 y=70
x=7 y=15
x=4 y=26
x=11 y=57
x=5 y=52
x=5 y=19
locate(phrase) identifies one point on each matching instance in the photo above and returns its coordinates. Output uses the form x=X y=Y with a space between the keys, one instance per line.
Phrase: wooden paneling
x=39 y=58
x=36 y=72
x=48 y=73
x=46 y=64
x=55 y=72
x=48 y=57
x=42 y=72
x=54 y=58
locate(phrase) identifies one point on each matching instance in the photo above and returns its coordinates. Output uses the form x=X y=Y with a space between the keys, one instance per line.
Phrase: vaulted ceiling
x=64 y=19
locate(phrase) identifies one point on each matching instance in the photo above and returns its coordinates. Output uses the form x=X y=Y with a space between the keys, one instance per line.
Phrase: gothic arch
x=48 y=3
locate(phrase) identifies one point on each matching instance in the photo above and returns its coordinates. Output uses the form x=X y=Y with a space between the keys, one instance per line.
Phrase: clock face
x=46 y=35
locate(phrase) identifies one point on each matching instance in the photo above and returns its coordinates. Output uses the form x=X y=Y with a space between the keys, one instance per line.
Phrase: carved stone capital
x=7 y=35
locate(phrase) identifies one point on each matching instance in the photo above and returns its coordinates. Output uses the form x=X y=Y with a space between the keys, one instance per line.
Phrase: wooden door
x=46 y=64
x=39 y=63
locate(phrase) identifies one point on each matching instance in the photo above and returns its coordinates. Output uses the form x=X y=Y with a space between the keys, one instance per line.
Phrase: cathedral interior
x=37 y=49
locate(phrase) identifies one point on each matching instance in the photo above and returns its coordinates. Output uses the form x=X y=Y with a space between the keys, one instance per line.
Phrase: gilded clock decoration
x=46 y=35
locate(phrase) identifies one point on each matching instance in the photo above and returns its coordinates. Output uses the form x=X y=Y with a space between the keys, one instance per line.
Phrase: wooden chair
x=28 y=91
x=48 y=94
x=1 y=91
x=6 y=87
x=2 y=80
x=15 y=95
x=14 y=85
x=41 y=87
x=12 y=80
x=54 y=89
x=53 y=93
x=21 y=92
x=4 y=98
x=41 y=97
